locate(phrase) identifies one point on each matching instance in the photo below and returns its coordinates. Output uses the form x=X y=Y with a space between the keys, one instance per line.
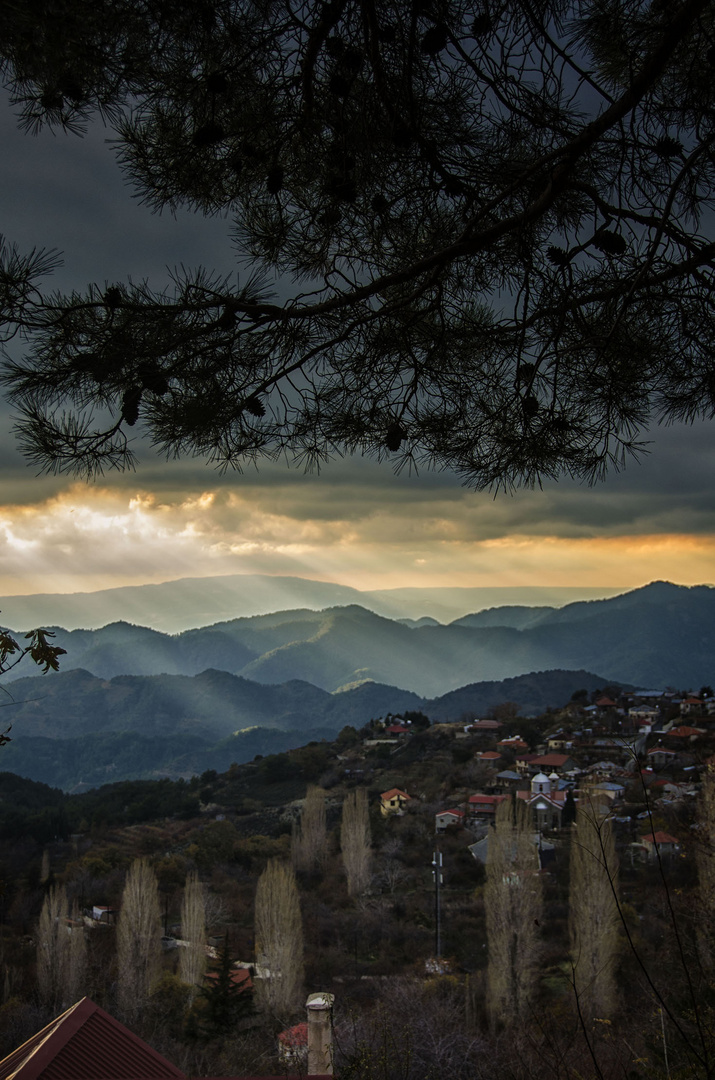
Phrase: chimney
x=320 y=1034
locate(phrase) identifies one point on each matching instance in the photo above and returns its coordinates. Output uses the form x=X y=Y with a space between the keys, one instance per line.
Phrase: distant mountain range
x=75 y=730
x=130 y=701
x=173 y=606
x=658 y=635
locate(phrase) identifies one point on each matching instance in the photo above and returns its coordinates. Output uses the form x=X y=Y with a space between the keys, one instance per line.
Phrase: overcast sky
x=357 y=523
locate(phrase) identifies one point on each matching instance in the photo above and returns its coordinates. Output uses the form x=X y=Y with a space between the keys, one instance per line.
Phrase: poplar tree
x=138 y=938
x=76 y=983
x=355 y=841
x=593 y=915
x=705 y=855
x=470 y=235
x=192 y=961
x=309 y=836
x=61 y=951
x=513 y=903
x=279 y=940
x=53 y=947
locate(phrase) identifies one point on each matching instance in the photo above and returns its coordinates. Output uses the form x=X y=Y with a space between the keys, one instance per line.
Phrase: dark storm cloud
x=66 y=193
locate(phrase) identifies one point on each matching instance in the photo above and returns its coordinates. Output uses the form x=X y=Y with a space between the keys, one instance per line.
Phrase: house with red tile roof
x=660 y=842
x=484 y=727
x=445 y=818
x=293 y=1044
x=685 y=732
x=393 y=801
x=546 y=763
x=484 y=805
x=660 y=755
x=513 y=742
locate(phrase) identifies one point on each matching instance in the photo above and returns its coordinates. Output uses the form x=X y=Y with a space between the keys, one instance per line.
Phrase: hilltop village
x=416 y=920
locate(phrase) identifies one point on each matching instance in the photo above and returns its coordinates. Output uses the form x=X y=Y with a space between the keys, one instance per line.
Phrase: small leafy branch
x=40 y=651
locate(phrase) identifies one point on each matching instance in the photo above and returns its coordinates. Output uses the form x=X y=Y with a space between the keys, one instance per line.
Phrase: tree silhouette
x=225 y=1000
x=471 y=235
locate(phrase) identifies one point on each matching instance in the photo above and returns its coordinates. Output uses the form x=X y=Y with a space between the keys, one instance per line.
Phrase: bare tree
x=513 y=902
x=279 y=939
x=308 y=845
x=593 y=915
x=76 y=981
x=138 y=937
x=355 y=841
x=192 y=964
x=53 y=947
x=706 y=869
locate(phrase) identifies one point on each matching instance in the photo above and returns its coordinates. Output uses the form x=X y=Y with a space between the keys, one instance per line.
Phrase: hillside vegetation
x=77 y=731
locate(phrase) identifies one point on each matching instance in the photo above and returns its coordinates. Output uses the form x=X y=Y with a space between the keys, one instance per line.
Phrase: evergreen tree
x=223 y=1000
x=495 y=216
x=568 y=814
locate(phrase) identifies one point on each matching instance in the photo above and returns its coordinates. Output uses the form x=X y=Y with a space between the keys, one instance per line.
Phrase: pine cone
x=610 y=243
x=394 y=436
x=274 y=180
x=153 y=379
x=668 y=148
x=434 y=40
x=254 y=405
x=482 y=25
x=557 y=256
x=335 y=47
x=216 y=82
x=387 y=33
x=208 y=135
x=338 y=85
x=112 y=298
x=131 y=401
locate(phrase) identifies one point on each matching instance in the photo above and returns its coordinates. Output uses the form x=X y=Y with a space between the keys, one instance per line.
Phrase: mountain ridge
x=187 y=603
x=87 y=731
x=662 y=634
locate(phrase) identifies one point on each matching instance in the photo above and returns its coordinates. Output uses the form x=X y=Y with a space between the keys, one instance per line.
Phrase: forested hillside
x=78 y=731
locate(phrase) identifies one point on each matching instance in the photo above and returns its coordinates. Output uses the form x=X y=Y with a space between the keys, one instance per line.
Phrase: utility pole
x=437 y=875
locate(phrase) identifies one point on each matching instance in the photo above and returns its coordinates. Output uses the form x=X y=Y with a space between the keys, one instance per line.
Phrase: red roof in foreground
x=86 y=1043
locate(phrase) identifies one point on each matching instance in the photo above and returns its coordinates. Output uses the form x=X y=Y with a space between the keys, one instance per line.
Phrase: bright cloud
x=88 y=538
